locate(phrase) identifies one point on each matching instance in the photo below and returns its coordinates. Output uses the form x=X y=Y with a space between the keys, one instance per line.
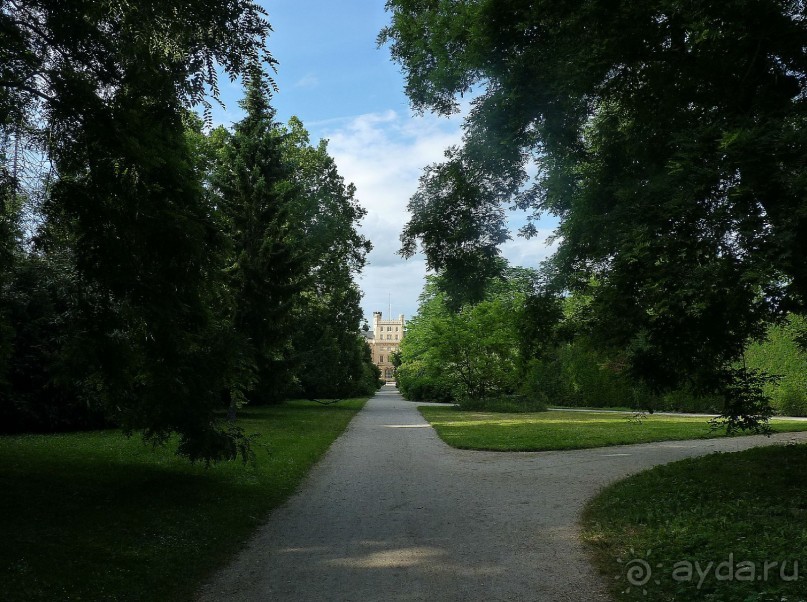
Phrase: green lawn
x=567 y=430
x=91 y=516
x=729 y=513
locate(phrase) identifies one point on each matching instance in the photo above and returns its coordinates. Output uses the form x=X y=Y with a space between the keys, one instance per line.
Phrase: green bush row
x=578 y=376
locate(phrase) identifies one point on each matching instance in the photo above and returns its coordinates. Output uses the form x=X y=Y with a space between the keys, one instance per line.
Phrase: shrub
x=426 y=389
x=575 y=375
x=791 y=401
x=47 y=388
x=683 y=400
x=780 y=355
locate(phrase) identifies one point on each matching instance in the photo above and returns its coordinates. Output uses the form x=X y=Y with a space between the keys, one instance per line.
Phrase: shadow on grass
x=545 y=431
x=98 y=516
x=68 y=526
x=740 y=509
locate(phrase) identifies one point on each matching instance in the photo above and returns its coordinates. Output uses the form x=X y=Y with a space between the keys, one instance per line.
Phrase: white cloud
x=531 y=252
x=308 y=81
x=384 y=154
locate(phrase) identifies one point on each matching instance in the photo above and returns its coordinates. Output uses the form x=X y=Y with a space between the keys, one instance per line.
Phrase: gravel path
x=392 y=513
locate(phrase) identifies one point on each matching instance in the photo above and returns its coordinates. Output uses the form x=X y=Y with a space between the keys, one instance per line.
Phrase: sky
x=345 y=89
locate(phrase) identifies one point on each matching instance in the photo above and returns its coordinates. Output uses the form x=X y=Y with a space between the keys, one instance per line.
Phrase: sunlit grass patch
x=557 y=429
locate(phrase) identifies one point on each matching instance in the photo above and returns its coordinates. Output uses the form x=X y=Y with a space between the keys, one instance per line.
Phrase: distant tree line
x=156 y=274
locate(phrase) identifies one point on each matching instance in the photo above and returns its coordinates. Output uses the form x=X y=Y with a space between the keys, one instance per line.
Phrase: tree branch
x=23 y=87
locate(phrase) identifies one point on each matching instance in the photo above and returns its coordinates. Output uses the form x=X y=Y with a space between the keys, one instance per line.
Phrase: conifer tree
x=104 y=85
x=256 y=190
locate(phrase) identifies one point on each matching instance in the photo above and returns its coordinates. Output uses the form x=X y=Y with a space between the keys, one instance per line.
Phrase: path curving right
x=393 y=513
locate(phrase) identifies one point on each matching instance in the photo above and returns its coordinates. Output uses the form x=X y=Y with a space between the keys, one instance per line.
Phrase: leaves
x=457 y=217
x=667 y=137
x=172 y=264
x=467 y=354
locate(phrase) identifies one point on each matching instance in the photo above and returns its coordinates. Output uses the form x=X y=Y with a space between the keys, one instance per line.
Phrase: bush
x=577 y=376
x=791 y=401
x=44 y=391
x=425 y=389
x=683 y=400
x=780 y=354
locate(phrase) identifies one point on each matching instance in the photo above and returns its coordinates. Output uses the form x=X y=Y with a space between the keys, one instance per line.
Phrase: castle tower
x=376 y=323
x=387 y=336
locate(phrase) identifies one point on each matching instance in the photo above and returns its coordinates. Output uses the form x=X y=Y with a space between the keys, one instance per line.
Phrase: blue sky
x=346 y=90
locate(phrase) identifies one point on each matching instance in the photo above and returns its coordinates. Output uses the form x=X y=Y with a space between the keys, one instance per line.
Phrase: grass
x=553 y=430
x=92 y=516
x=595 y=409
x=736 y=511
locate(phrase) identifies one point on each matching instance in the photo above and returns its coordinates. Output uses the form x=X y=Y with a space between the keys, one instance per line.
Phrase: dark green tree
x=257 y=193
x=458 y=218
x=329 y=354
x=104 y=86
x=9 y=214
x=669 y=139
x=42 y=391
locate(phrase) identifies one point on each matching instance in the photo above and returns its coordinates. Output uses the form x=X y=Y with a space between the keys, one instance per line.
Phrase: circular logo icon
x=638 y=572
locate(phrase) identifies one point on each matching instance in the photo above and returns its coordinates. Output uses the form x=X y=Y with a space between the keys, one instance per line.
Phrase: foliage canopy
x=151 y=271
x=669 y=138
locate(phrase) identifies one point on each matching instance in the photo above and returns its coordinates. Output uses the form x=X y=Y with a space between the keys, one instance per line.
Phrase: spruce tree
x=267 y=268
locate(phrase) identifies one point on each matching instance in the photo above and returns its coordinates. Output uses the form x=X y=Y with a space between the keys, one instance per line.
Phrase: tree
x=104 y=87
x=329 y=358
x=456 y=213
x=256 y=190
x=41 y=392
x=669 y=140
x=296 y=250
x=9 y=233
x=421 y=375
x=467 y=354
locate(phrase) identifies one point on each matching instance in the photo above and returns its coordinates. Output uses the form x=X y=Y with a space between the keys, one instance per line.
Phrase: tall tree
x=329 y=356
x=9 y=213
x=669 y=138
x=257 y=192
x=105 y=85
x=468 y=353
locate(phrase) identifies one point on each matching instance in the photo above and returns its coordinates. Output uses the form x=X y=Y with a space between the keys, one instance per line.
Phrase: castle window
x=381 y=359
x=396 y=337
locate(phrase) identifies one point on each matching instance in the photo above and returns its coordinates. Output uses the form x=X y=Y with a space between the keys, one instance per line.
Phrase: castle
x=387 y=335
